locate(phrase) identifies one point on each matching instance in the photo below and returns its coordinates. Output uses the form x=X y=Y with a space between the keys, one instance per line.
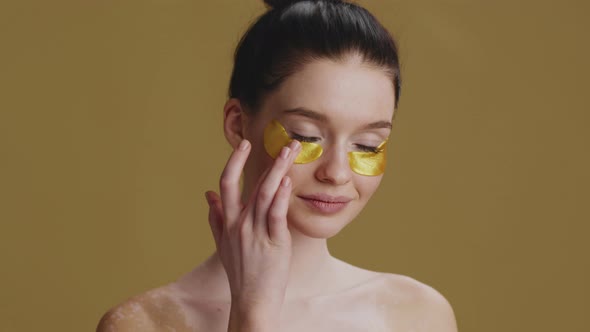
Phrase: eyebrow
x=302 y=111
x=307 y=113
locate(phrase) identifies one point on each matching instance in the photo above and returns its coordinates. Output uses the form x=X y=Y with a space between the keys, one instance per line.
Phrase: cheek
x=300 y=174
x=258 y=161
x=367 y=185
x=261 y=161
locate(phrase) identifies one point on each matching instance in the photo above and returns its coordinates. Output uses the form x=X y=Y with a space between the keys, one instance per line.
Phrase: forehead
x=347 y=91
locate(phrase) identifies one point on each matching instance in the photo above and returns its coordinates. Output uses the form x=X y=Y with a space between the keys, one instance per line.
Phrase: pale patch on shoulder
x=414 y=306
x=154 y=310
x=127 y=316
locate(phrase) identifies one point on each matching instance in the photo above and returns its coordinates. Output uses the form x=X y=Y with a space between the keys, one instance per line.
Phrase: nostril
x=335 y=172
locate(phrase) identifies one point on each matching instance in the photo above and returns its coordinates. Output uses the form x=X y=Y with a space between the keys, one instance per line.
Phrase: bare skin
x=272 y=270
x=381 y=302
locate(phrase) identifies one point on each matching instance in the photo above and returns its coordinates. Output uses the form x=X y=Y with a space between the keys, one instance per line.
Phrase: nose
x=334 y=167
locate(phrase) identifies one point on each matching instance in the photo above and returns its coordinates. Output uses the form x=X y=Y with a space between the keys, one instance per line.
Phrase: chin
x=317 y=226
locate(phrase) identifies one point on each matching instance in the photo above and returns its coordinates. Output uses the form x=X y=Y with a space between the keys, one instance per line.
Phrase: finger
x=248 y=206
x=215 y=216
x=252 y=197
x=270 y=184
x=229 y=183
x=278 y=231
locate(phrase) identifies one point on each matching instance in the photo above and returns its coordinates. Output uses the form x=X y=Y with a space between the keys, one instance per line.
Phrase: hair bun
x=280 y=3
x=286 y=3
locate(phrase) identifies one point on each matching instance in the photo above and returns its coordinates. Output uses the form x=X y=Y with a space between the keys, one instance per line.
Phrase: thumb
x=215 y=216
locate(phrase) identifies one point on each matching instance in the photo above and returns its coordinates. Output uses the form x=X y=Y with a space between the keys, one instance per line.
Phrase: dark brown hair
x=293 y=33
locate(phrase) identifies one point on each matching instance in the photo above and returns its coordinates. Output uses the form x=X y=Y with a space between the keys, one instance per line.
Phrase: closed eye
x=304 y=138
x=365 y=148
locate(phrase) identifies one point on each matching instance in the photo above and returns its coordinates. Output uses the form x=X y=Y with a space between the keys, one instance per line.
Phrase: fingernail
x=286 y=181
x=243 y=145
x=285 y=152
x=295 y=145
x=207 y=198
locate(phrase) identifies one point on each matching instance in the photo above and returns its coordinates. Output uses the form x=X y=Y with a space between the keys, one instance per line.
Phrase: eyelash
x=304 y=138
x=363 y=148
x=373 y=149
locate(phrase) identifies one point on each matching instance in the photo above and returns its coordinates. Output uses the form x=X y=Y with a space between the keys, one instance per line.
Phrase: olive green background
x=110 y=132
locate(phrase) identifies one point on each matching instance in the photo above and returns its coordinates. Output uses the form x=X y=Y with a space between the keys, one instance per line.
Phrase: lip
x=326 y=204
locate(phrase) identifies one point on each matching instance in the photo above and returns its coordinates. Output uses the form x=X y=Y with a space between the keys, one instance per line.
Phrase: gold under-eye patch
x=361 y=162
x=368 y=163
x=275 y=137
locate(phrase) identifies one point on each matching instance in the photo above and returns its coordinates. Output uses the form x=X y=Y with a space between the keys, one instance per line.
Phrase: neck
x=310 y=266
x=312 y=271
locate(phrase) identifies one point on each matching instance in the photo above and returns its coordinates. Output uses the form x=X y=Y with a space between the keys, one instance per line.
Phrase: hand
x=253 y=241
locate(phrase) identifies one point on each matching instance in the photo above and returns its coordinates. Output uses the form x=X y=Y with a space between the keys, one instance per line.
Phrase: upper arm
x=128 y=316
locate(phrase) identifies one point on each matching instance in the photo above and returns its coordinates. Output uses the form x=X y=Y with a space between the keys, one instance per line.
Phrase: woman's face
x=342 y=106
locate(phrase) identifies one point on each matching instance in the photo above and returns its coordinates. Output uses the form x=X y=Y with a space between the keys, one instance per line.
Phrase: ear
x=234 y=116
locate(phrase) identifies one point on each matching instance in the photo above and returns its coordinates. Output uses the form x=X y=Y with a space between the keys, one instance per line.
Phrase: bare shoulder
x=127 y=316
x=413 y=305
x=155 y=310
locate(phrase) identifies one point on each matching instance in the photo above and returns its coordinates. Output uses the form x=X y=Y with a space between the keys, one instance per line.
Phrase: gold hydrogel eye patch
x=368 y=163
x=275 y=137
x=361 y=162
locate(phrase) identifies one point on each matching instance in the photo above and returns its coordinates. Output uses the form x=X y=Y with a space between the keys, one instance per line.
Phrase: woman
x=312 y=97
